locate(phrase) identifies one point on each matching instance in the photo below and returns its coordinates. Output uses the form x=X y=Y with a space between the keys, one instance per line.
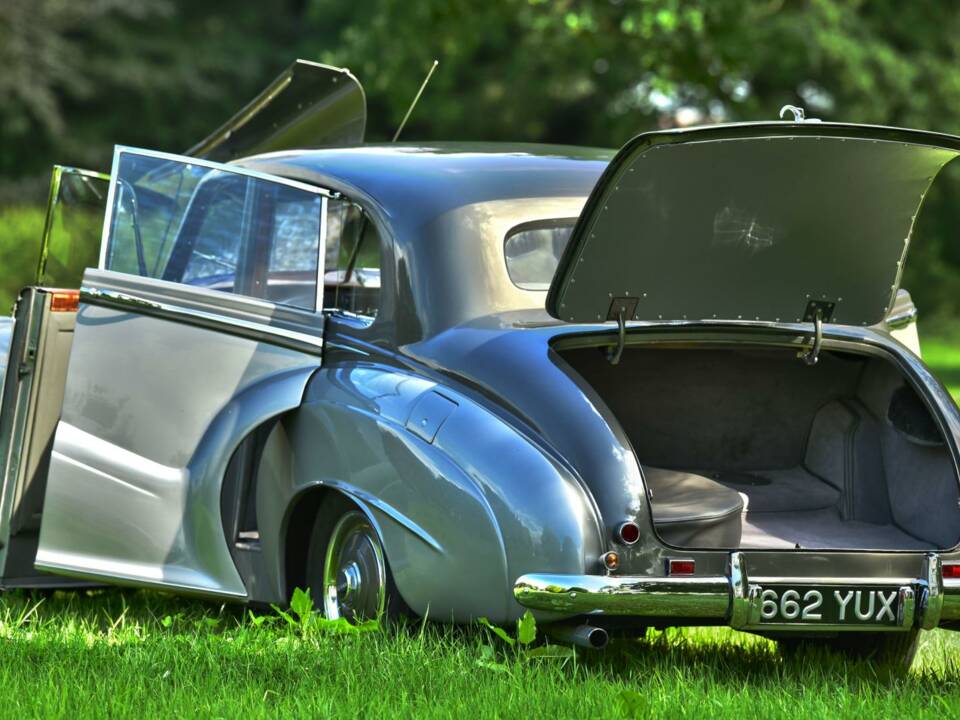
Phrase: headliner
x=418 y=182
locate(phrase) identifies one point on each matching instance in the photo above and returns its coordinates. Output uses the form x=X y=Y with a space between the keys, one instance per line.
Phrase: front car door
x=200 y=324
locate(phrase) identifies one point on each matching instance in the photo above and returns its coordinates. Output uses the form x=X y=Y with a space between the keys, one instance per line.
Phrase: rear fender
x=460 y=517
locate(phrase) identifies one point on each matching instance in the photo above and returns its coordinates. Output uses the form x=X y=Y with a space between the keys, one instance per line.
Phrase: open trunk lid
x=767 y=222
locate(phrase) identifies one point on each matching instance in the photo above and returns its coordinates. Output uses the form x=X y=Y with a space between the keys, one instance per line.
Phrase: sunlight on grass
x=114 y=652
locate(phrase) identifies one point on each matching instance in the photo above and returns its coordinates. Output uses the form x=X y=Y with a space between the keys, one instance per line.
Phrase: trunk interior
x=751 y=448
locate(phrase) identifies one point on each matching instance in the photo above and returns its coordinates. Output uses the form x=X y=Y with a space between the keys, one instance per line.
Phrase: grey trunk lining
x=812 y=450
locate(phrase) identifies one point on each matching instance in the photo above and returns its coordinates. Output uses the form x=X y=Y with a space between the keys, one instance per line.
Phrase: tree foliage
x=79 y=77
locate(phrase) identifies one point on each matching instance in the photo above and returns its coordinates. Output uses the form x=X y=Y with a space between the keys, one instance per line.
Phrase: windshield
x=533 y=251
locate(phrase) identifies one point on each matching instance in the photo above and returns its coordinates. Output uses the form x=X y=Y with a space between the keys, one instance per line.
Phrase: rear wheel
x=895 y=650
x=346 y=568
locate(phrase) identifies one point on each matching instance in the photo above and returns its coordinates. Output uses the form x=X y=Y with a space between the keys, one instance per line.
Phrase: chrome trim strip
x=794 y=580
x=262 y=332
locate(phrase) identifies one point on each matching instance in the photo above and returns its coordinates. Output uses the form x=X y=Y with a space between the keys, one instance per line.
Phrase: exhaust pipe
x=585 y=636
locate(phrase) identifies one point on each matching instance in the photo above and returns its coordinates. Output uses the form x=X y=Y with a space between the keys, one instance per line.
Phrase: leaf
x=526 y=628
x=495 y=666
x=286 y=616
x=258 y=620
x=499 y=632
x=554 y=652
x=301 y=603
x=167 y=621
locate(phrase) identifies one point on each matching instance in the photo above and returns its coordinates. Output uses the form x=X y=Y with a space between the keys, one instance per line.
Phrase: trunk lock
x=817 y=312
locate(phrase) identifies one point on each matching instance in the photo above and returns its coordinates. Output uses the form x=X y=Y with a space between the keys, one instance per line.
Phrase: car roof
x=426 y=180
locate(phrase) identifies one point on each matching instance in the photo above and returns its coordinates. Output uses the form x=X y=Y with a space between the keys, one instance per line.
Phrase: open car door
x=199 y=326
x=37 y=341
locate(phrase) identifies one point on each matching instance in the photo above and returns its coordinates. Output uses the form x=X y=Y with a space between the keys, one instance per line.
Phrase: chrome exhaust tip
x=585 y=636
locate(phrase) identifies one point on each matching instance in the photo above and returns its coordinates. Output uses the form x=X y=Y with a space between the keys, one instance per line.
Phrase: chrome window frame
x=324 y=193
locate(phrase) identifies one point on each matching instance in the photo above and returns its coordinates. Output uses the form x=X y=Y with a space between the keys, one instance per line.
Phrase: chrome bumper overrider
x=924 y=601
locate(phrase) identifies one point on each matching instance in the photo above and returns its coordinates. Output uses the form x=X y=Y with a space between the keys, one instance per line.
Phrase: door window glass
x=215 y=227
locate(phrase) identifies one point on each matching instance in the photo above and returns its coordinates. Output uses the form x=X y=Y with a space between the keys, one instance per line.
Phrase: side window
x=351 y=282
x=216 y=227
x=215 y=253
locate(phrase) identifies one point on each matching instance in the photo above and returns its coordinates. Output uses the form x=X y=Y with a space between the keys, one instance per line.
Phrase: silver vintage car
x=676 y=384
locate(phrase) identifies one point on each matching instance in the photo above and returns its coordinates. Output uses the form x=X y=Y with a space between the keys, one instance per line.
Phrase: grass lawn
x=110 y=652
x=114 y=652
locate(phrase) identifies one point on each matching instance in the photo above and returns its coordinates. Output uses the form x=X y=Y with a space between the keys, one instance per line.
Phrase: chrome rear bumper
x=925 y=601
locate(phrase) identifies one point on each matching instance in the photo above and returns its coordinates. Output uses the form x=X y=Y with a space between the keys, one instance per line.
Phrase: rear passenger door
x=200 y=324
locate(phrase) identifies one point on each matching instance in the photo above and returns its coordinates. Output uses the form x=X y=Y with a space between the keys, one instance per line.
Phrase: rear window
x=533 y=251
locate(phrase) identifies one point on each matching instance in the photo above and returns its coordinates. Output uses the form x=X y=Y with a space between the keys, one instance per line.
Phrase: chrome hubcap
x=354 y=573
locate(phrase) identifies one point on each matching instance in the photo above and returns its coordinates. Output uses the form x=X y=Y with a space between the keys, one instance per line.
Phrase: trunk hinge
x=620 y=310
x=818 y=312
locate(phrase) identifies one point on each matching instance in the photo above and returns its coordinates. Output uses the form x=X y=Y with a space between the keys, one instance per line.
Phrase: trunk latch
x=817 y=312
x=621 y=309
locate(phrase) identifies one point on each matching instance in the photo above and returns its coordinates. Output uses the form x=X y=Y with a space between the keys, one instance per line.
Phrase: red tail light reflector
x=951 y=571
x=64 y=301
x=681 y=567
x=628 y=533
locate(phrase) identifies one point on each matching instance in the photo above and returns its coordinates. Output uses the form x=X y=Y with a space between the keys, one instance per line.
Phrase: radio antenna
x=415 y=99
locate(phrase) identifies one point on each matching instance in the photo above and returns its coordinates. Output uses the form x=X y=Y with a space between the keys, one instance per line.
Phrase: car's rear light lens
x=64 y=301
x=611 y=561
x=681 y=567
x=951 y=571
x=628 y=533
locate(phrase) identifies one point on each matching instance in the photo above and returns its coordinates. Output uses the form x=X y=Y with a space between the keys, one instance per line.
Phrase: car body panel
x=750 y=222
x=481 y=490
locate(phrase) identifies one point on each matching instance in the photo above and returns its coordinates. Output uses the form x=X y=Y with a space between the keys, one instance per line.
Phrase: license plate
x=826 y=605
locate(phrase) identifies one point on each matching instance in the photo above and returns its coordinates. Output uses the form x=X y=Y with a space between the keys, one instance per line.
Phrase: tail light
x=64 y=301
x=951 y=571
x=681 y=567
x=628 y=533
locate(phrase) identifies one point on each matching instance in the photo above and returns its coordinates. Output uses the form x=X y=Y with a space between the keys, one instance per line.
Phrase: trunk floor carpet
x=776 y=490
x=821 y=529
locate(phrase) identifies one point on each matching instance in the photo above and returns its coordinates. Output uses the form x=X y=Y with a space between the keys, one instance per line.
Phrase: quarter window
x=351 y=281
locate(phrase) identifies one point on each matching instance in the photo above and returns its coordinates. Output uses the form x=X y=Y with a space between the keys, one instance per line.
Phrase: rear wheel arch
x=321 y=504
